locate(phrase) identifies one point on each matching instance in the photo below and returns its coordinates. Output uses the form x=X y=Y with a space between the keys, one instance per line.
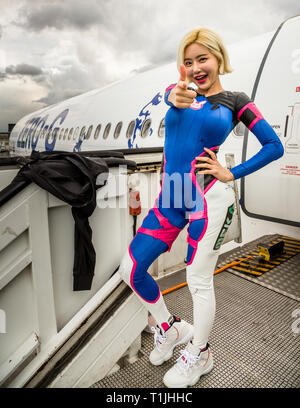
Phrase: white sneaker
x=189 y=367
x=178 y=332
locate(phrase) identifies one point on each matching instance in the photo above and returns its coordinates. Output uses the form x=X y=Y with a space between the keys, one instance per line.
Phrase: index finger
x=183 y=74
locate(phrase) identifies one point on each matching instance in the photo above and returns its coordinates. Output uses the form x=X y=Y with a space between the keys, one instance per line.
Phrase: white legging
x=200 y=271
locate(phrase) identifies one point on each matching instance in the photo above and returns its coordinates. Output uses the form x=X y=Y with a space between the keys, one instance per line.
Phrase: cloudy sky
x=51 y=50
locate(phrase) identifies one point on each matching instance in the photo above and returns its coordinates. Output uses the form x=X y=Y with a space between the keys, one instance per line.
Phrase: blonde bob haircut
x=212 y=41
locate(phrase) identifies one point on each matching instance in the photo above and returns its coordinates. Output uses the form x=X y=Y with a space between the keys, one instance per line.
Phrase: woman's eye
x=202 y=59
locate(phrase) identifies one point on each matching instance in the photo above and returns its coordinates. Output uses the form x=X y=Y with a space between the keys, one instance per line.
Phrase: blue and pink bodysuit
x=186 y=196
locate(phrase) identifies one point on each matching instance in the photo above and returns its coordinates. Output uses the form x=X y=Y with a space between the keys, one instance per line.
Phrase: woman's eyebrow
x=200 y=55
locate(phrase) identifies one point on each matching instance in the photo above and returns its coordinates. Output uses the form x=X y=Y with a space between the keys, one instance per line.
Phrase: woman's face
x=202 y=67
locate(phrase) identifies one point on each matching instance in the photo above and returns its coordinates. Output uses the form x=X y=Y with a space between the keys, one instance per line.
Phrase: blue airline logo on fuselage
x=142 y=117
x=36 y=126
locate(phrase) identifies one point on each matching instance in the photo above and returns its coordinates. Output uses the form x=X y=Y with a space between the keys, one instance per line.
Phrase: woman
x=196 y=124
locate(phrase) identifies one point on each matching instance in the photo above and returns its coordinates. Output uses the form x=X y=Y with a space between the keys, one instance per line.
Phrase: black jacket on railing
x=71 y=177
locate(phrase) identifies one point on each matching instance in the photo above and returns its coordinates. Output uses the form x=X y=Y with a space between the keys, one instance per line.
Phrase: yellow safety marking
x=255 y=264
x=284 y=256
x=292 y=243
x=292 y=246
x=256 y=267
x=246 y=270
x=296 y=241
x=296 y=247
x=290 y=251
x=266 y=265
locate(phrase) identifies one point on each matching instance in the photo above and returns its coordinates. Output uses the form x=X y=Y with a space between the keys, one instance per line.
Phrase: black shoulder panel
x=241 y=100
x=225 y=98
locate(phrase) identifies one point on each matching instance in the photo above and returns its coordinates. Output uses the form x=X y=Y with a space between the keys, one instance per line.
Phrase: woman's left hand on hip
x=213 y=167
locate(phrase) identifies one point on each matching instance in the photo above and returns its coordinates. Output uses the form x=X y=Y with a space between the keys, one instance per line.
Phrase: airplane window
x=81 y=136
x=239 y=130
x=106 y=131
x=70 y=134
x=161 y=129
x=146 y=128
x=130 y=129
x=65 y=134
x=97 y=131
x=76 y=133
x=89 y=132
x=118 y=130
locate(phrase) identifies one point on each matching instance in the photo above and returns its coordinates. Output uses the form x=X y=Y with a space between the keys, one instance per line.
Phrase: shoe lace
x=185 y=361
x=159 y=338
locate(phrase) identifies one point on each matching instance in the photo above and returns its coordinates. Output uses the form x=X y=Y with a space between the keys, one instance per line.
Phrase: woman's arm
x=167 y=93
x=272 y=147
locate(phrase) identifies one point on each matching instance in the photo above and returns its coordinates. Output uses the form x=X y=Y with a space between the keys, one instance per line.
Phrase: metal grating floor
x=254 y=340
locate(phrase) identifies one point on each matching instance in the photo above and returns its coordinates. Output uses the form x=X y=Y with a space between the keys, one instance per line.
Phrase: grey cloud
x=23 y=69
x=1 y=31
x=68 y=83
x=59 y=15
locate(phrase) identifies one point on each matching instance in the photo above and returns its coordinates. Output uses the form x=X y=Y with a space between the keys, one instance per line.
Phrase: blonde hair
x=212 y=41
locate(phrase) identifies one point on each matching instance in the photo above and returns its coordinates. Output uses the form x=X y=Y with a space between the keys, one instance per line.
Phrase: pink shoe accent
x=165 y=326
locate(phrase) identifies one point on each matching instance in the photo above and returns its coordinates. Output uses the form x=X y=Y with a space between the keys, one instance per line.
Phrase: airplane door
x=273 y=192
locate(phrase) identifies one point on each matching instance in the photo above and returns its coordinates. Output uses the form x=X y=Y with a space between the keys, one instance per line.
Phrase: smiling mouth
x=201 y=78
